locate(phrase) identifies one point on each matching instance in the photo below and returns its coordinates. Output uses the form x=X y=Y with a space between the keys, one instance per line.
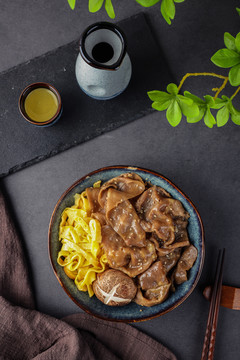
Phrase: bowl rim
x=135 y=168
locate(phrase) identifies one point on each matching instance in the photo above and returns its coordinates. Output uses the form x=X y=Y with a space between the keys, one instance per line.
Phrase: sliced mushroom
x=185 y=263
x=153 y=286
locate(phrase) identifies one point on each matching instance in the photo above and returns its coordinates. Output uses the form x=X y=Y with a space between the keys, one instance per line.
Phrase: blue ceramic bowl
x=131 y=312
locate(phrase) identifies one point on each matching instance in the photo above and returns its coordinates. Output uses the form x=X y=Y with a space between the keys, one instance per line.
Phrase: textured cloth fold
x=26 y=333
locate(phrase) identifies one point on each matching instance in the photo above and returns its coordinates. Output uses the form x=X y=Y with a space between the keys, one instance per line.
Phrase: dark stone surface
x=83 y=117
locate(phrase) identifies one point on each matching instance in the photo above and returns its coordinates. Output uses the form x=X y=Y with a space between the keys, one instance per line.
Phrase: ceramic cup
x=103 y=67
x=39 y=85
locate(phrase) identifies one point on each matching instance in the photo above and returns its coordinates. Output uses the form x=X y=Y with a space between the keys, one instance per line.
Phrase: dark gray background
x=203 y=162
x=83 y=118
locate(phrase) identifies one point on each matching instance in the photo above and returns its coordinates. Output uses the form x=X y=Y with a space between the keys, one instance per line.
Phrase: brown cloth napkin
x=26 y=333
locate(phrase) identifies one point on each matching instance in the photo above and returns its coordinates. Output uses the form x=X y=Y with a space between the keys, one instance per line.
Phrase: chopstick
x=210 y=335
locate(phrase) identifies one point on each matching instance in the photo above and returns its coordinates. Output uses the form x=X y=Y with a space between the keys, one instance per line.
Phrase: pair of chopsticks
x=210 y=335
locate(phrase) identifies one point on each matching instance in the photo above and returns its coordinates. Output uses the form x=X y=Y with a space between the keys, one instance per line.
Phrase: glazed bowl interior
x=131 y=312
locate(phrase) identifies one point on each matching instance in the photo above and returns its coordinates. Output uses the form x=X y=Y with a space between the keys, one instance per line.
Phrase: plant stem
x=238 y=89
x=225 y=78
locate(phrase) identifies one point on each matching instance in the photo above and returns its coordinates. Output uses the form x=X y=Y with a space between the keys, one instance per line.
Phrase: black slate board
x=83 y=118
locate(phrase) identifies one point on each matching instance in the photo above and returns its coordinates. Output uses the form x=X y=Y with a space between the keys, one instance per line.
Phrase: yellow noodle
x=97 y=184
x=81 y=254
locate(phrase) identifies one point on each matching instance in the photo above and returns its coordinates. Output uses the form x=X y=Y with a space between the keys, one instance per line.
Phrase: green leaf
x=172 y=89
x=179 y=1
x=72 y=4
x=219 y=103
x=156 y=95
x=164 y=14
x=95 y=5
x=232 y=109
x=236 y=118
x=160 y=106
x=209 y=101
x=174 y=114
x=235 y=115
x=222 y=116
x=147 y=3
x=234 y=75
x=195 y=119
x=169 y=8
x=237 y=42
x=225 y=98
x=195 y=98
x=238 y=11
x=189 y=110
x=209 y=119
x=109 y=9
x=229 y=41
x=184 y=99
x=225 y=58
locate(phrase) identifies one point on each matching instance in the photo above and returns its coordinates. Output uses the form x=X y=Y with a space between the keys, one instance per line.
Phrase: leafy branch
x=194 y=108
x=167 y=7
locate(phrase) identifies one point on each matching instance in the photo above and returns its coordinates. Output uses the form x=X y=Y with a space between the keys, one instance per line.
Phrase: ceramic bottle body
x=103 y=84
